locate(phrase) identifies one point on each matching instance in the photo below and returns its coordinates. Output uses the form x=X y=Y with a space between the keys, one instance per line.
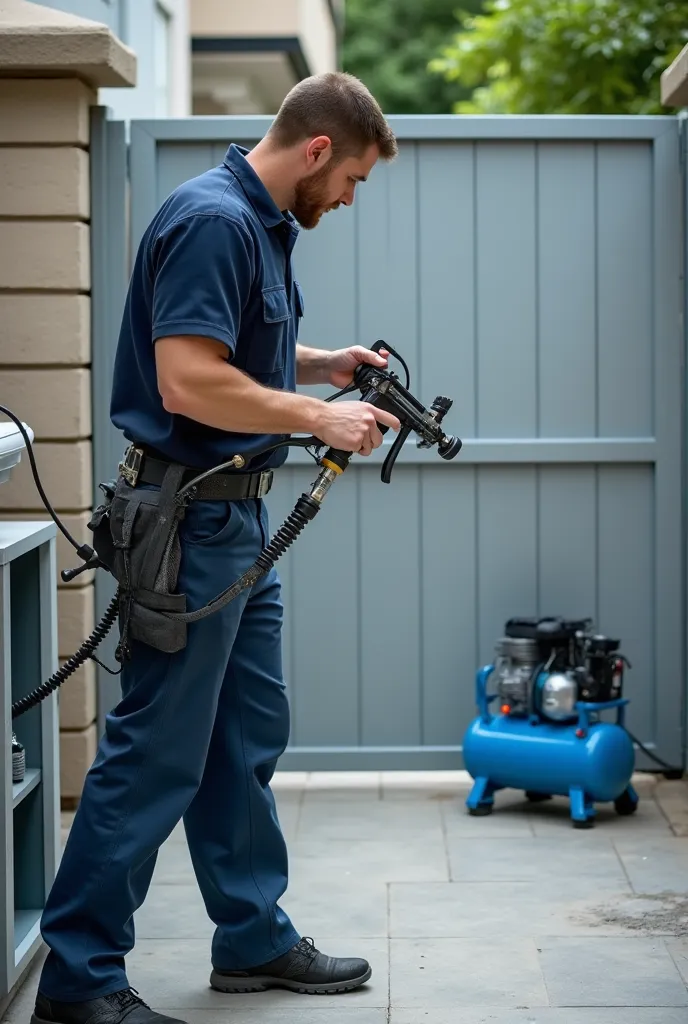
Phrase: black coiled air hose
x=83 y=654
x=302 y=513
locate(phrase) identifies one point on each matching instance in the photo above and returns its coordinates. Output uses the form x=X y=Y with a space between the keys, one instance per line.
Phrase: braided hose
x=302 y=513
x=290 y=529
x=76 y=661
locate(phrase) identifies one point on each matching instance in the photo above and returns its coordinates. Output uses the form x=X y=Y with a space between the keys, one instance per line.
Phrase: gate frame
x=665 y=450
x=109 y=181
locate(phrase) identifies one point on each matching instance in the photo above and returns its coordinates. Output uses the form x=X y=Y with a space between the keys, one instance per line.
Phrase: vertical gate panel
x=567 y=538
x=390 y=609
x=625 y=283
x=507 y=550
x=448 y=572
x=567 y=290
x=530 y=269
x=325 y=618
x=625 y=574
x=506 y=289
x=386 y=257
x=447 y=273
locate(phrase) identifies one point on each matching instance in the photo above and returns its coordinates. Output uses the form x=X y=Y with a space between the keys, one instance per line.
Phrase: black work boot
x=302 y=969
x=113 y=1009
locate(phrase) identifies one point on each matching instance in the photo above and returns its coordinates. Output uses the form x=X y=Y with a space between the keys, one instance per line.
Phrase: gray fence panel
x=529 y=268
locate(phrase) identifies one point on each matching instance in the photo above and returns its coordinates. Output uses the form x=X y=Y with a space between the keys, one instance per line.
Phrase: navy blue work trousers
x=196 y=737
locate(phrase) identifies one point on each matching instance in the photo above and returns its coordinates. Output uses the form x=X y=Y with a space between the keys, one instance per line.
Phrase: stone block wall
x=45 y=351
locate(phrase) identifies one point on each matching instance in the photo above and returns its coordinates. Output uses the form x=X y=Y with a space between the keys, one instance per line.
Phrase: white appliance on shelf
x=11 y=446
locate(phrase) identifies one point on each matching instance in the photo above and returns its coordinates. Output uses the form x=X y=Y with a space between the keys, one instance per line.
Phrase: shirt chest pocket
x=267 y=349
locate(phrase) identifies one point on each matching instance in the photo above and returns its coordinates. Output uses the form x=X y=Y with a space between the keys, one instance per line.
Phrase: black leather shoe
x=303 y=969
x=112 y=1009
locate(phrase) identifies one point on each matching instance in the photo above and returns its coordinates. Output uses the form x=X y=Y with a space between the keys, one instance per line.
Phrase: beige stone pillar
x=51 y=65
x=674 y=81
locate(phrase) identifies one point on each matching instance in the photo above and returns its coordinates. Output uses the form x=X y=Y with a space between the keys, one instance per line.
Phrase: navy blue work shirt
x=215 y=261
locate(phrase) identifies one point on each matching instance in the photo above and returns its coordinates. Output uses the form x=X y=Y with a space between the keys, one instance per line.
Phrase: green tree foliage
x=388 y=44
x=564 y=56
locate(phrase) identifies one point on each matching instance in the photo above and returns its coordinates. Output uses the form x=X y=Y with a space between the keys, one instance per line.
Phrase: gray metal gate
x=531 y=269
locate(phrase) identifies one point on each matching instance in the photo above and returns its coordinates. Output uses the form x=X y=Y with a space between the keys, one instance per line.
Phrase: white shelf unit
x=30 y=813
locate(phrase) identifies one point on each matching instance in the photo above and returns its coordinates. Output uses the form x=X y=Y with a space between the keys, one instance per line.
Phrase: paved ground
x=502 y=920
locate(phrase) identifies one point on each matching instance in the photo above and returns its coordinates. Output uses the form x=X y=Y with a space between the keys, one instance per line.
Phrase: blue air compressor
x=553 y=678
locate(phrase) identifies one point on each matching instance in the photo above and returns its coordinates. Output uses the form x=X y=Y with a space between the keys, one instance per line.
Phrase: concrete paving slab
x=429 y=973
x=317 y=907
x=324 y=797
x=346 y=908
x=543 y=1015
x=678 y=948
x=173 y=910
x=378 y=820
x=173 y=866
x=672 y=799
x=289 y=780
x=611 y=972
x=414 y=860
x=426 y=785
x=531 y=859
x=655 y=865
x=509 y=821
x=662 y=915
x=175 y=972
x=278 y=1013
x=519 y=910
x=332 y=781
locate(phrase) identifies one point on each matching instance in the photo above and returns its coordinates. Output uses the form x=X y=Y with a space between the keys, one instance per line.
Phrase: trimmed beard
x=309 y=199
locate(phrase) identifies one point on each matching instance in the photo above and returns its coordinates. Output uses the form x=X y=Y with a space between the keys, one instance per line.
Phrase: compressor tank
x=516 y=753
x=546 y=740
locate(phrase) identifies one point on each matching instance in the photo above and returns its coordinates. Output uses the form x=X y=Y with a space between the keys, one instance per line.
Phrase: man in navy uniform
x=207 y=366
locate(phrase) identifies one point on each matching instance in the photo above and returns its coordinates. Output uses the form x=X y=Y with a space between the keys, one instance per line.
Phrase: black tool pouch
x=136 y=536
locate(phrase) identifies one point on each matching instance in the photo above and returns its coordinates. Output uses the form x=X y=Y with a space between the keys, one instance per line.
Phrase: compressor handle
x=586 y=708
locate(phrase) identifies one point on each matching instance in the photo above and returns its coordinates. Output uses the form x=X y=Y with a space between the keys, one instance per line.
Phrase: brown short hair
x=340 y=106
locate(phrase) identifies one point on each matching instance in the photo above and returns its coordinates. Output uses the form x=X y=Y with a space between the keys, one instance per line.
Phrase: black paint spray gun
x=384 y=390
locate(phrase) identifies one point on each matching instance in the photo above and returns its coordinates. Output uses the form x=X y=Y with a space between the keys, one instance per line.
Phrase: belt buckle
x=264 y=483
x=130 y=466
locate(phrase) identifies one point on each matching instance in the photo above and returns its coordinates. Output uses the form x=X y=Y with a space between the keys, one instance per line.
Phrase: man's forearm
x=211 y=391
x=312 y=365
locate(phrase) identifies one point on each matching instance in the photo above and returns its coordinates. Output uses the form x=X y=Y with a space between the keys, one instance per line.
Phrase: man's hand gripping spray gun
x=384 y=390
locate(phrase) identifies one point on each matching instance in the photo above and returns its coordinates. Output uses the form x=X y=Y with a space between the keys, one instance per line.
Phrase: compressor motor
x=551 y=679
x=545 y=667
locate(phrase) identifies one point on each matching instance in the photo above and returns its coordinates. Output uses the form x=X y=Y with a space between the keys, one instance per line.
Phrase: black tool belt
x=135 y=535
x=139 y=466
